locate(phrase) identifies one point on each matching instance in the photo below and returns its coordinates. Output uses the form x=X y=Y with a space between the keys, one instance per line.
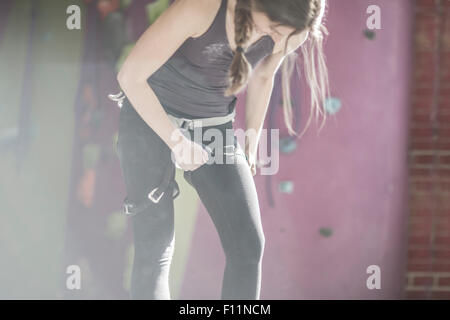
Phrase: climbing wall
x=334 y=208
x=98 y=234
x=337 y=204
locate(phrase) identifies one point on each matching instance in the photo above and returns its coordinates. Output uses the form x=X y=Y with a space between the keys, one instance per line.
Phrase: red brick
x=444 y=104
x=421 y=118
x=419 y=213
x=422 y=281
x=442 y=145
x=426 y=219
x=421 y=144
x=424 y=76
x=422 y=185
x=421 y=172
x=441 y=265
x=444 y=159
x=443 y=173
x=414 y=266
x=444 y=186
x=424 y=91
x=444 y=281
x=426 y=3
x=416 y=294
x=441 y=212
x=443 y=240
x=414 y=254
x=422 y=132
x=420 y=203
x=414 y=239
x=442 y=254
x=442 y=226
x=441 y=295
x=444 y=132
x=423 y=159
x=420 y=226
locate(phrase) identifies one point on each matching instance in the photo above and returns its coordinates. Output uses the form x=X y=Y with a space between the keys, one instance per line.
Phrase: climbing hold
x=91 y=154
x=115 y=140
x=107 y=7
x=125 y=52
x=86 y=188
x=114 y=36
x=370 y=34
x=332 y=105
x=287 y=145
x=155 y=9
x=128 y=269
x=47 y=36
x=325 y=232
x=286 y=187
x=125 y=3
x=97 y=116
x=89 y=95
x=116 y=225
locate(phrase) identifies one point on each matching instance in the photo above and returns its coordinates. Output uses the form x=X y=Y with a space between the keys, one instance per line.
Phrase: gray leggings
x=227 y=191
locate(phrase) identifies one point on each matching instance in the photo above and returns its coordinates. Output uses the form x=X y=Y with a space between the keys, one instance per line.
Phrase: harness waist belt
x=190 y=124
x=168 y=182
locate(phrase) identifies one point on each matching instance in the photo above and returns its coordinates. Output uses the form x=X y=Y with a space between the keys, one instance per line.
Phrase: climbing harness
x=168 y=182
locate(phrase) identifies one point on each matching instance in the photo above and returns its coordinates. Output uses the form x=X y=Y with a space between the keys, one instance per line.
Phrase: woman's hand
x=251 y=160
x=250 y=154
x=189 y=155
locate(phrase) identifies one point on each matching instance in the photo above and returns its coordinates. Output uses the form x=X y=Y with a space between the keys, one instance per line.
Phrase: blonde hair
x=301 y=15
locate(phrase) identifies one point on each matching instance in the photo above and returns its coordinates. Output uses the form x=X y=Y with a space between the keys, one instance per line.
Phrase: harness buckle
x=231 y=152
x=191 y=124
x=119 y=98
x=126 y=210
x=187 y=125
x=151 y=197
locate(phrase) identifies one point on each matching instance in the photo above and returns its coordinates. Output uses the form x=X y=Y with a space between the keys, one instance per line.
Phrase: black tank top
x=191 y=84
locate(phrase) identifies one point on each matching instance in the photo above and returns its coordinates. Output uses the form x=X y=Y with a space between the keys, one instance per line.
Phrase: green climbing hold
x=115 y=140
x=325 y=232
x=116 y=225
x=287 y=145
x=286 y=187
x=125 y=52
x=333 y=105
x=369 y=34
x=91 y=154
x=125 y=3
x=155 y=9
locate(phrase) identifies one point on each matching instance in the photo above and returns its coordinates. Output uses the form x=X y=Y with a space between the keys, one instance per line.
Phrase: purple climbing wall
x=347 y=208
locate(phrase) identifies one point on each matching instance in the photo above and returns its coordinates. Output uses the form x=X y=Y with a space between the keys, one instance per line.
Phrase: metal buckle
x=125 y=207
x=189 y=124
x=150 y=195
x=186 y=124
x=232 y=152
x=183 y=126
x=119 y=98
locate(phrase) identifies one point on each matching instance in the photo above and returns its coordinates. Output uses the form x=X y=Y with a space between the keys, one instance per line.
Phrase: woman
x=189 y=66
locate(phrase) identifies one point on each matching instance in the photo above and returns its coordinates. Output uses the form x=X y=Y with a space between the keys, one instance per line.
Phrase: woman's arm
x=259 y=91
x=183 y=19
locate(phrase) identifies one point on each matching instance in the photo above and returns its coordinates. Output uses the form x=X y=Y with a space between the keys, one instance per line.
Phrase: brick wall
x=428 y=268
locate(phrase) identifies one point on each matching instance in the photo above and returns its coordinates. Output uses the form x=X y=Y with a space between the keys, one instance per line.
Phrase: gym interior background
x=371 y=189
